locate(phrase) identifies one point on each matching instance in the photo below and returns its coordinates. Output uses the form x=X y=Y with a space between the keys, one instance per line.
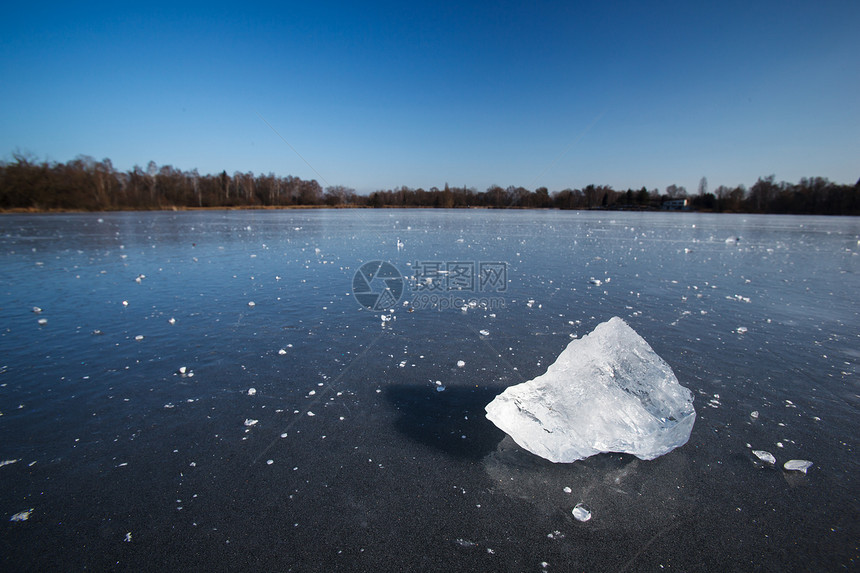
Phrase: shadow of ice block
x=607 y=392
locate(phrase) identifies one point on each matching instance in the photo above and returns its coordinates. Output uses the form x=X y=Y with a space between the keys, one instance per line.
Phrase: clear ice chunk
x=607 y=392
x=797 y=465
x=581 y=512
x=765 y=456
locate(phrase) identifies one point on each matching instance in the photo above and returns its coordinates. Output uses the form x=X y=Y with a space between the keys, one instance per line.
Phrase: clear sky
x=373 y=96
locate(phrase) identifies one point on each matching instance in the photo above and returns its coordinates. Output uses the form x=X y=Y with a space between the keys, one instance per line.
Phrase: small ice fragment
x=284 y=435
x=22 y=515
x=595 y=282
x=581 y=512
x=765 y=456
x=460 y=364
x=252 y=391
x=252 y=304
x=567 y=490
x=8 y=462
x=754 y=414
x=183 y=369
x=42 y=321
x=440 y=388
x=125 y=303
x=127 y=537
x=171 y=320
x=37 y=310
x=138 y=337
x=484 y=332
x=269 y=462
x=249 y=422
x=742 y=330
x=282 y=351
x=311 y=413
x=797 y=465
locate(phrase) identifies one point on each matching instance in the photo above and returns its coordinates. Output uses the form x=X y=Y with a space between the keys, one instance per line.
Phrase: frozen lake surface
x=204 y=390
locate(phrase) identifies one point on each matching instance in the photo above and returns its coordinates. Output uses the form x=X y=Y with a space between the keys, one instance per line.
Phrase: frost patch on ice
x=797 y=465
x=606 y=392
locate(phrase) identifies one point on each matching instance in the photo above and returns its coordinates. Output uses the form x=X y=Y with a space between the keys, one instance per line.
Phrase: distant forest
x=85 y=184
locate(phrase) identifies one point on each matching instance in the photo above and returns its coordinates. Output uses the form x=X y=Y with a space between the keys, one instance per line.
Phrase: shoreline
x=33 y=211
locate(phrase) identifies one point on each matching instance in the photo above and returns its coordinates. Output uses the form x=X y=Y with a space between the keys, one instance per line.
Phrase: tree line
x=87 y=184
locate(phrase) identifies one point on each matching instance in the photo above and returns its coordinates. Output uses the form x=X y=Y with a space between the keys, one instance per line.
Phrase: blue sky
x=423 y=93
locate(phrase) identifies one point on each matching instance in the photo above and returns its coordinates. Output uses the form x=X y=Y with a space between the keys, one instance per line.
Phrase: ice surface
x=607 y=392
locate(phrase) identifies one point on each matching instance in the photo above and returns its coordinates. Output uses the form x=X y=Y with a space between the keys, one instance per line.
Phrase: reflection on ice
x=621 y=491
